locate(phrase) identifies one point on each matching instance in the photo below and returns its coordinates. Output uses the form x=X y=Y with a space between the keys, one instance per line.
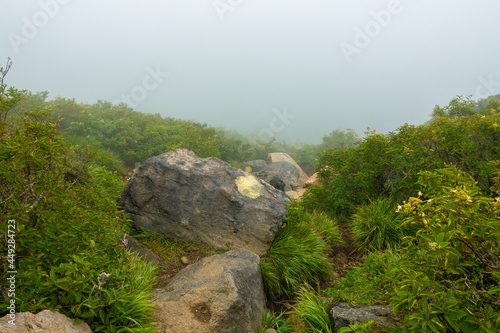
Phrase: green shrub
x=299 y=253
x=375 y=226
x=448 y=278
x=68 y=234
x=388 y=165
x=277 y=322
x=312 y=311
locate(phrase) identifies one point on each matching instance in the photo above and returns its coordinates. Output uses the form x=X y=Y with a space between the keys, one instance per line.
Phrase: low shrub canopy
x=68 y=253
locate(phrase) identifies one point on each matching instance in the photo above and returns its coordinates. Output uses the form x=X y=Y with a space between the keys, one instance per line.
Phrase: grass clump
x=299 y=254
x=376 y=226
x=312 y=311
x=275 y=321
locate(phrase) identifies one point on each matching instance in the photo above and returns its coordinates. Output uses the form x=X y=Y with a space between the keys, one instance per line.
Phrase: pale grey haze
x=296 y=69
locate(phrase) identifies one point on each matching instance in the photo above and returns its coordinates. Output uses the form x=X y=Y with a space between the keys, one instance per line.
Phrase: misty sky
x=296 y=69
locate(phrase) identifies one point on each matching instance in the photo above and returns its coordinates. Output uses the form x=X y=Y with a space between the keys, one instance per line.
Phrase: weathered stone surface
x=313 y=180
x=283 y=157
x=219 y=294
x=293 y=195
x=187 y=198
x=279 y=173
x=46 y=321
x=343 y=314
x=254 y=166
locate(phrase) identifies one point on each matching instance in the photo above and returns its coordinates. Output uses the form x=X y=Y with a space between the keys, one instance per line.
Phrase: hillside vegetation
x=420 y=207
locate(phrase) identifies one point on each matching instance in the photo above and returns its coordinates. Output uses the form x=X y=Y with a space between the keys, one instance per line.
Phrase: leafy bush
x=299 y=253
x=449 y=273
x=68 y=234
x=369 y=283
x=312 y=311
x=389 y=165
x=375 y=226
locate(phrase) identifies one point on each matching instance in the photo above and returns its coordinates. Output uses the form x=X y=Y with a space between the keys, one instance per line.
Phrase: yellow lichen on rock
x=249 y=186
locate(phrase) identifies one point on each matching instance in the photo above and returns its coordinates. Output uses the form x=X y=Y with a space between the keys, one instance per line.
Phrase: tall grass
x=312 y=311
x=375 y=226
x=275 y=321
x=297 y=256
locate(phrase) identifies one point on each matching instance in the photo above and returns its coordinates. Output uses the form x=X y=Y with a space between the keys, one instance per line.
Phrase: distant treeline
x=119 y=138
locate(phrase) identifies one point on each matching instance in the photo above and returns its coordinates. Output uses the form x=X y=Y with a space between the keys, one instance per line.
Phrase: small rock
x=313 y=180
x=254 y=166
x=293 y=195
x=343 y=314
x=271 y=330
x=185 y=260
x=46 y=321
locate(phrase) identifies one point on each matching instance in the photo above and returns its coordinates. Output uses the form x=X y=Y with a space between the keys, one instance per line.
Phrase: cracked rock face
x=187 y=198
x=219 y=294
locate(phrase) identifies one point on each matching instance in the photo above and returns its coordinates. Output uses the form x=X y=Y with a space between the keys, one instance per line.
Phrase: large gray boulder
x=254 y=166
x=219 y=294
x=284 y=176
x=46 y=321
x=187 y=198
x=283 y=157
x=343 y=314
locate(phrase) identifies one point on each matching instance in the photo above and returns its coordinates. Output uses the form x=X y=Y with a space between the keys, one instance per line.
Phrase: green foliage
x=367 y=326
x=312 y=311
x=277 y=322
x=449 y=272
x=388 y=166
x=351 y=176
x=299 y=253
x=375 y=226
x=9 y=97
x=68 y=234
x=458 y=107
x=339 y=138
x=369 y=283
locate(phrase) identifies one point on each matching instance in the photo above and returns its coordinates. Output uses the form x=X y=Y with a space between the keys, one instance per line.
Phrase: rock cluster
x=187 y=198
